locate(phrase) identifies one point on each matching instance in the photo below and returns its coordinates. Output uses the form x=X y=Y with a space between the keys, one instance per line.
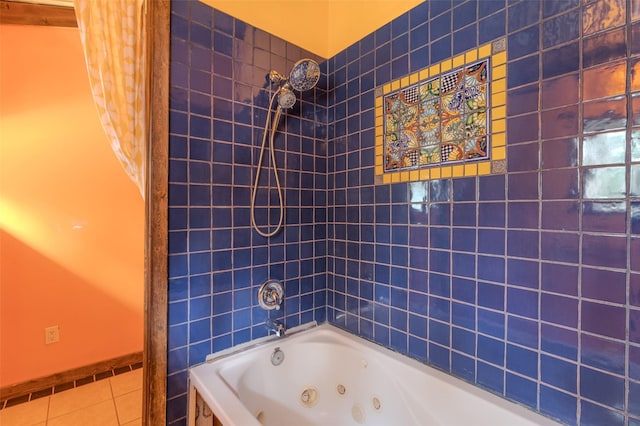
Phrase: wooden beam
x=16 y=13
x=157 y=233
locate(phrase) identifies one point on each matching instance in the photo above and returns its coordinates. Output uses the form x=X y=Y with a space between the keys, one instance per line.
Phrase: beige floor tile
x=101 y=414
x=80 y=397
x=27 y=414
x=129 y=406
x=127 y=382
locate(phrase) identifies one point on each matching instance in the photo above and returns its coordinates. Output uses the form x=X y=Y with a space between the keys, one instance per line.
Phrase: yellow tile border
x=495 y=163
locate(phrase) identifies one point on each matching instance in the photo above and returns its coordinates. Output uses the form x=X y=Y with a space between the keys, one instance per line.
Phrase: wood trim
x=68 y=376
x=12 y=12
x=156 y=212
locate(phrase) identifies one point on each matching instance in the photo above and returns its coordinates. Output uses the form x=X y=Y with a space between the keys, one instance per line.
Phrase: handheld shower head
x=286 y=98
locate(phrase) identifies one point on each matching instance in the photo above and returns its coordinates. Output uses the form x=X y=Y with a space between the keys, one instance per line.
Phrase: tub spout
x=276 y=326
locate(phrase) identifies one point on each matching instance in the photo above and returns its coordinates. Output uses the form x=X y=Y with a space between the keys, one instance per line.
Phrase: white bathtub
x=331 y=377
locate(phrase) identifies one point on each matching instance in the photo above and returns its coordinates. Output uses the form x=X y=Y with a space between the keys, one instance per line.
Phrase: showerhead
x=304 y=75
x=286 y=98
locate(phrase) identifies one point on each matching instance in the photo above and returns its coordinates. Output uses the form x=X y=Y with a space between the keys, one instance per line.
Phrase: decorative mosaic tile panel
x=436 y=123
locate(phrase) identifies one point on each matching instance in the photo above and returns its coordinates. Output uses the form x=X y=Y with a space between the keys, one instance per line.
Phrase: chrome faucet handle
x=270 y=295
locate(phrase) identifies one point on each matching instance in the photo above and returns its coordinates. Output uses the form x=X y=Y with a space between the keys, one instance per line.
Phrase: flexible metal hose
x=271 y=133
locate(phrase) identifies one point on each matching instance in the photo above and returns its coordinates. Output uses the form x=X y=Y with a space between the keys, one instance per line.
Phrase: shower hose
x=271 y=134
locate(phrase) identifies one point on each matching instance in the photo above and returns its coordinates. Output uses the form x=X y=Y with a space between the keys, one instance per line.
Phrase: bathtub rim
x=229 y=409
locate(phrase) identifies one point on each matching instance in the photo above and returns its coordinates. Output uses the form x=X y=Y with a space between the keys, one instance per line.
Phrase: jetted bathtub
x=326 y=376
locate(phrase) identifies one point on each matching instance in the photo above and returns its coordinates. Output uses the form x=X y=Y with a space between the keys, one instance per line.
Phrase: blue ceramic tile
x=634 y=326
x=523 y=71
x=604 y=217
x=491 y=323
x=522 y=302
x=560 y=278
x=491 y=268
x=490 y=241
x=488 y=7
x=561 y=29
x=490 y=377
x=560 y=153
x=560 y=215
x=603 y=354
x=561 y=247
x=463 y=366
x=464 y=214
x=559 y=373
x=493 y=26
x=464 y=39
x=603 y=388
x=559 y=310
x=464 y=14
x=558 y=405
x=560 y=91
x=522 y=243
x=522 y=361
x=520 y=389
x=523 y=42
x=608 y=251
x=560 y=122
x=523 y=186
x=522 y=14
x=522 y=272
x=491 y=296
x=176 y=408
x=594 y=287
x=441 y=49
x=523 y=100
x=559 y=341
x=522 y=331
x=419 y=36
x=463 y=264
x=523 y=128
x=561 y=60
x=440 y=26
x=200 y=35
x=491 y=350
x=634 y=398
x=592 y=314
x=440 y=214
x=463 y=316
x=523 y=214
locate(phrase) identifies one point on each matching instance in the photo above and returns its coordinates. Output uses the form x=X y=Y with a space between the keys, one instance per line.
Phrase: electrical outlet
x=51 y=334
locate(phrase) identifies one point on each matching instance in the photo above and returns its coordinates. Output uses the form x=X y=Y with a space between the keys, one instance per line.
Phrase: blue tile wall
x=218 y=106
x=526 y=284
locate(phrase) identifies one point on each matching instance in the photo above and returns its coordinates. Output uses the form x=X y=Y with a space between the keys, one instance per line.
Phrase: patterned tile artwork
x=446 y=120
x=439 y=120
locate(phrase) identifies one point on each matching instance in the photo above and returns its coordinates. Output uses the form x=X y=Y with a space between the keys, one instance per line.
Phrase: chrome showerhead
x=286 y=98
x=304 y=75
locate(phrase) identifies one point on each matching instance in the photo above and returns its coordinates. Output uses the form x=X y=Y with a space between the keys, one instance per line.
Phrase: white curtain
x=113 y=38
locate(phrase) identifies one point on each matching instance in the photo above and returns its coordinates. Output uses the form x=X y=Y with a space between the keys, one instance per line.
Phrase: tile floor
x=116 y=401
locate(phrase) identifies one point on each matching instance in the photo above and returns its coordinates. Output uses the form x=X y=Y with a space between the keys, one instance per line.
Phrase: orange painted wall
x=71 y=221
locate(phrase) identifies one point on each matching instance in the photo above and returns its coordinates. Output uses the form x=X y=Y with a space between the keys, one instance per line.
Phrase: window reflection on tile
x=635 y=108
x=605 y=80
x=606 y=182
x=604 y=47
x=635 y=145
x=603 y=14
x=635 y=74
x=604 y=148
x=634 y=191
x=607 y=114
x=635 y=10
